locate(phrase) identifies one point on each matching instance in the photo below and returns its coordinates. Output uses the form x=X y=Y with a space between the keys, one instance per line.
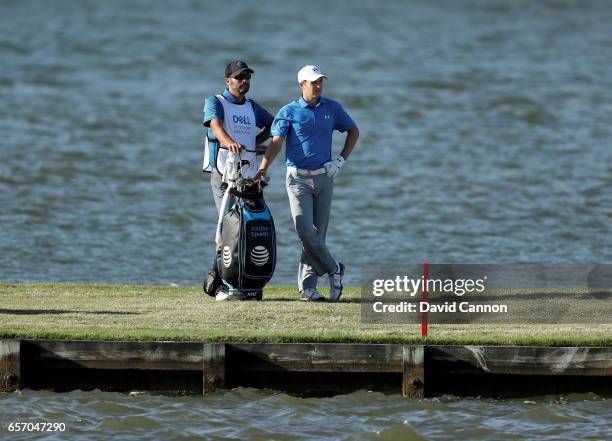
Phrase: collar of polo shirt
x=231 y=98
x=304 y=103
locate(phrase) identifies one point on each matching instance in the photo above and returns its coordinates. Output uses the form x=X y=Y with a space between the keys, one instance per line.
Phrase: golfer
x=232 y=121
x=307 y=125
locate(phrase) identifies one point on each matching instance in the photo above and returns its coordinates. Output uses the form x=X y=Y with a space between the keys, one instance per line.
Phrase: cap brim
x=315 y=78
x=238 y=72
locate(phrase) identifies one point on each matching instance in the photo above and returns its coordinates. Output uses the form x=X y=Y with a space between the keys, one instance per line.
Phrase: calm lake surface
x=485 y=138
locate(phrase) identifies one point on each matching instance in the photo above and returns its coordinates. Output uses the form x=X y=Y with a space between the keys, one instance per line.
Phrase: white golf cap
x=310 y=73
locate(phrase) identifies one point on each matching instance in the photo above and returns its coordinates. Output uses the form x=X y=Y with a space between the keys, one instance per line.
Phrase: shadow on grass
x=62 y=311
x=297 y=299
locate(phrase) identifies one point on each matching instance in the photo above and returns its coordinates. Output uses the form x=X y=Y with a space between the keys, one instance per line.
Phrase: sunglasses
x=243 y=77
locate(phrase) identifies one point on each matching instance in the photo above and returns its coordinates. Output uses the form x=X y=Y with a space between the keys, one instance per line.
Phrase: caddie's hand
x=234 y=147
x=332 y=168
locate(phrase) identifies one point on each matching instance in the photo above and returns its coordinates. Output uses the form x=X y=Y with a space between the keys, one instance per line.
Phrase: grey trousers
x=310 y=200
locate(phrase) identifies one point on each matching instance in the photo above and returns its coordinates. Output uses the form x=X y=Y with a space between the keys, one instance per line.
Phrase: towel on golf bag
x=248 y=252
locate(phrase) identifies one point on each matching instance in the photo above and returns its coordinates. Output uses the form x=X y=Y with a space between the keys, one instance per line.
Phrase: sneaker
x=311 y=295
x=335 y=283
x=224 y=294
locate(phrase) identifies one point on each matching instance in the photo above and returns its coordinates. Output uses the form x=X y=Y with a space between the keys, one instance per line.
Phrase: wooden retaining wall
x=191 y=367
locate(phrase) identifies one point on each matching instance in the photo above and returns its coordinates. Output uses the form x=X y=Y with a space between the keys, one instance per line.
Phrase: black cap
x=235 y=68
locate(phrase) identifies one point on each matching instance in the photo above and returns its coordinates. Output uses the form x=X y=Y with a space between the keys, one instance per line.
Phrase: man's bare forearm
x=222 y=136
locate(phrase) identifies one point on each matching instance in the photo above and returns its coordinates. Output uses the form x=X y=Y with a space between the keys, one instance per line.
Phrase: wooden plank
x=10 y=369
x=413 y=378
x=522 y=360
x=115 y=355
x=317 y=357
x=213 y=367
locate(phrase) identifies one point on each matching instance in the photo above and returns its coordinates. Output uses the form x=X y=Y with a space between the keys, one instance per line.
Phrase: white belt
x=301 y=171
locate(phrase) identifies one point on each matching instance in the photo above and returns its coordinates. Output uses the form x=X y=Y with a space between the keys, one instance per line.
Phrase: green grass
x=140 y=313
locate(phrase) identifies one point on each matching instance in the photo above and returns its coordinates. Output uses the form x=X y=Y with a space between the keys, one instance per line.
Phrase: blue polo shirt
x=308 y=131
x=213 y=109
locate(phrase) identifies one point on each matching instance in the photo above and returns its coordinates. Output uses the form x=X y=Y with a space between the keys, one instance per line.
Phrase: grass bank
x=134 y=312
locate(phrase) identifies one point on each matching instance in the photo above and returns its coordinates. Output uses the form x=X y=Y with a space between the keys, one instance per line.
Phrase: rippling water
x=260 y=415
x=485 y=131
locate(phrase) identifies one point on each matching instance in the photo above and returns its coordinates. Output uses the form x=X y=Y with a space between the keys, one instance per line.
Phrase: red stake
x=425 y=298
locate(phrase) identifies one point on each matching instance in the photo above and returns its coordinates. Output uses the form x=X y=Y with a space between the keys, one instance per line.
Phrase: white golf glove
x=332 y=168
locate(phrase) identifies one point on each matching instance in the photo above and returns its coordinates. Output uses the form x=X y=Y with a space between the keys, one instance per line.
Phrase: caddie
x=232 y=121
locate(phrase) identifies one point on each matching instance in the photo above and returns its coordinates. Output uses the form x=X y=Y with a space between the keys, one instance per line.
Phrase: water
x=261 y=415
x=485 y=131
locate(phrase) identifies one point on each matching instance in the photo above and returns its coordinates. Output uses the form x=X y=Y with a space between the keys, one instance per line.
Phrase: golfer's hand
x=332 y=168
x=262 y=176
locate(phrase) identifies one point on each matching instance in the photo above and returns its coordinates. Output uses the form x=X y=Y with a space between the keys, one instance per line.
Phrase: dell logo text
x=241 y=119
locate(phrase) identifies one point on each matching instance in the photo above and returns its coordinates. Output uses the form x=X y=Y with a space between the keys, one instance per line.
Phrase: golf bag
x=248 y=252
